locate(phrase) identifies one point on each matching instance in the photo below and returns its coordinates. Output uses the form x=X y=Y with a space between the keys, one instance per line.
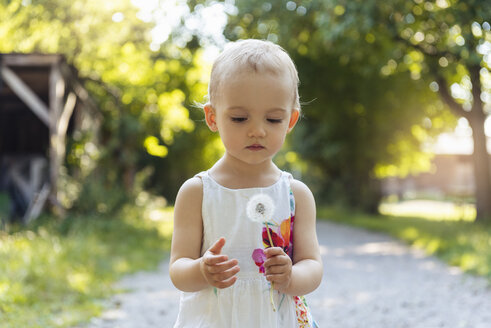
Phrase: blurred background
x=100 y=124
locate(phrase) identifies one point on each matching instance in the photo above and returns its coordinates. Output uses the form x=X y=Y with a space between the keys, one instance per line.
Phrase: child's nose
x=257 y=130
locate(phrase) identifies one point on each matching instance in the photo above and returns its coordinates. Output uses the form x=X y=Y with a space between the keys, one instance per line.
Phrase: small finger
x=226 y=283
x=216 y=248
x=277 y=260
x=225 y=275
x=214 y=259
x=273 y=251
x=223 y=266
x=277 y=269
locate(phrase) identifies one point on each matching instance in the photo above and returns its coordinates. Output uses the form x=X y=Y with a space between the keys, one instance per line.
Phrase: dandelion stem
x=272 y=283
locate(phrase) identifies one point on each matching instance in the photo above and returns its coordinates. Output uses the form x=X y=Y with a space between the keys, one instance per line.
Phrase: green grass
x=463 y=243
x=56 y=274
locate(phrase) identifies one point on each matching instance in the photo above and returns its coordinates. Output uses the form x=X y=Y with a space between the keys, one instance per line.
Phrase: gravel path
x=370 y=280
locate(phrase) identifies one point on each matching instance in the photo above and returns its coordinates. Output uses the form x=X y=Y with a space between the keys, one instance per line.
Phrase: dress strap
x=205 y=179
x=287 y=175
x=201 y=174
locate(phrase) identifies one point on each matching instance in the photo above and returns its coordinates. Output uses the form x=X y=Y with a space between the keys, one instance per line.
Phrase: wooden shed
x=41 y=102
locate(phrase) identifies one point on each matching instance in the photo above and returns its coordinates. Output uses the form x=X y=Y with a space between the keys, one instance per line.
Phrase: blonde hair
x=251 y=55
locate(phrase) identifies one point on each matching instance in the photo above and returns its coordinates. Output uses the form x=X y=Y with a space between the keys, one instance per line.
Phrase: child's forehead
x=258 y=91
x=238 y=75
x=244 y=80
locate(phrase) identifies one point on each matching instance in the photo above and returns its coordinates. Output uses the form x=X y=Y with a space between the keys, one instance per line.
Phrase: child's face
x=253 y=115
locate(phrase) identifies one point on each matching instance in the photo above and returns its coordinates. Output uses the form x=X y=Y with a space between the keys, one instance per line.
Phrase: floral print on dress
x=304 y=318
x=282 y=236
x=259 y=257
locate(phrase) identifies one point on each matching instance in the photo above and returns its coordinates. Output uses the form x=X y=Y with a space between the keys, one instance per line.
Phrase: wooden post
x=62 y=124
x=56 y=94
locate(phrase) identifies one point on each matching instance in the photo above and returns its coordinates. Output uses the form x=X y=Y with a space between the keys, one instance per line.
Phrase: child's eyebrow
x=236 y=108
x=271 y=110
x=277 y=109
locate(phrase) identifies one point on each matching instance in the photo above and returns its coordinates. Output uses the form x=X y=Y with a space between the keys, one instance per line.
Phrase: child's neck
x=235 y=174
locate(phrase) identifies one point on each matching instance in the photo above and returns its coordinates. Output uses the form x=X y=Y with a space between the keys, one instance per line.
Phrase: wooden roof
x=27 y=106
x=41 y=101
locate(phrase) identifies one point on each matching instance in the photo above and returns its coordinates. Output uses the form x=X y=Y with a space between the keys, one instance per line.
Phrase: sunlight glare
x=487 y=126
x=463 y=128
x=458 y=141
x=430 y=210
x=207 y=22
x=118 y=17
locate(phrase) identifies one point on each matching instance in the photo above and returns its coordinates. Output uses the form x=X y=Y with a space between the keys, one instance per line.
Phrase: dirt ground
x=370 y=280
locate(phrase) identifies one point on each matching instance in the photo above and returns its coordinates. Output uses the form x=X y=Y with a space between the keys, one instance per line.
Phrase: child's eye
x=238 y=119
x=275 y=120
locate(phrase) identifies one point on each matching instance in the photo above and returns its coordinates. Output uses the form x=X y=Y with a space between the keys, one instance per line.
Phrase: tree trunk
x=480 y=157
x=375 y=195
x=480 y=160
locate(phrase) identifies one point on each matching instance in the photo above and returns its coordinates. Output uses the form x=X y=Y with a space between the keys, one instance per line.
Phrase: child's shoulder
x=301 y=191
x=192 y=187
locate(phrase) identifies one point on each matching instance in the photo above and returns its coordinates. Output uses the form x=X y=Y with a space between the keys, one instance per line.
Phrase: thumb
x=216 y=248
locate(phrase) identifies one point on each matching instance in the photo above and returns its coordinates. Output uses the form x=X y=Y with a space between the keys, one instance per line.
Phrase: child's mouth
x=255 y=147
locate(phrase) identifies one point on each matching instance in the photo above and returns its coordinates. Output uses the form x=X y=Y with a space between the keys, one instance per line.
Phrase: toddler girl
x=244 y=247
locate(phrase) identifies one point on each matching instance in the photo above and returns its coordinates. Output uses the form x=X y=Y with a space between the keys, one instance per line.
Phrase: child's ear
x=210 y=117
x=293 y=119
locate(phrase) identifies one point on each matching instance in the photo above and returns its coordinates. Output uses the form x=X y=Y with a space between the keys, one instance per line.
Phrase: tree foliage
x=363 y=116
x=377 y=61
x=446 y=42
x=145 y=96
x=377 y=80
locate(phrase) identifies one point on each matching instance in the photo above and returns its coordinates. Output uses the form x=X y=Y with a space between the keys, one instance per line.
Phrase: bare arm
x=305 y=275
x=189 y=271
x=186 y=239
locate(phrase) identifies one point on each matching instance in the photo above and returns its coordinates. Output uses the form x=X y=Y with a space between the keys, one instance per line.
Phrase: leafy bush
x=98 y=197
x=56 y=274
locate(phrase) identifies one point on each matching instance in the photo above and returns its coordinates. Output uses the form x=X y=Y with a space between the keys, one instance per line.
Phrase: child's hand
x=278 y=267
x=217 y=269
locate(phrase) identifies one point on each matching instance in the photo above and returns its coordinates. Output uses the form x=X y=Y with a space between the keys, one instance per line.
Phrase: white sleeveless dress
x=246 y=303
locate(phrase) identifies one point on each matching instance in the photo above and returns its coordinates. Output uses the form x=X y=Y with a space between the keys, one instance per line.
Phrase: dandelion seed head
x=260 y=208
